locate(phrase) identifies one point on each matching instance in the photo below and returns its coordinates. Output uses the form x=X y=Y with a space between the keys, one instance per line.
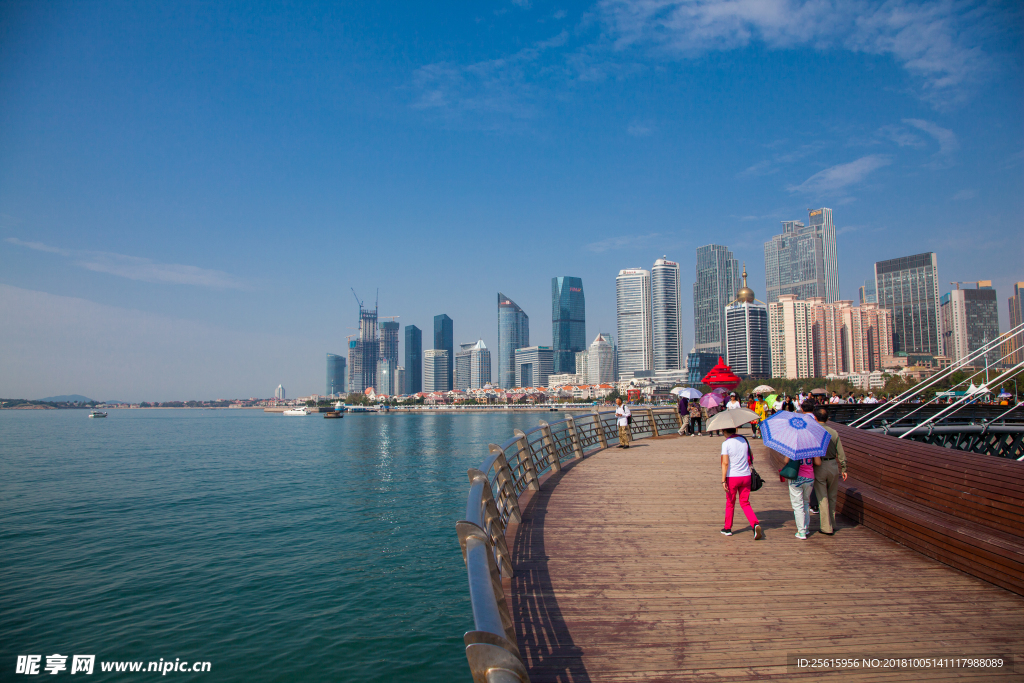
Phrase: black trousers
x=696 y=425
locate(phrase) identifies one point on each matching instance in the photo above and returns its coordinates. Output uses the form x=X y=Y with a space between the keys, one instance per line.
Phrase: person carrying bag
x=738 y=479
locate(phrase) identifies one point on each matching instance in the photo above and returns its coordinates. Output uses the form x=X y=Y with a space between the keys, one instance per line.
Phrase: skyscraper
x=909 y=287
x=718 y=279
x=534 y=365
x=436 y=370
x=821 y=221
x=389 y=341
x=513 y=333
x=970 y=319
x=794 y=261
x=746 y=333
x=601 y=361
x=568 y=322
x=1016 y=343
x=387 y=378
x=413 y=359
x=444 y=339
x=633 y=317
x=335 y=374
x=279 y=393
x=472 y=366
x=364 y=352
x=867 y=293
x=666 y=315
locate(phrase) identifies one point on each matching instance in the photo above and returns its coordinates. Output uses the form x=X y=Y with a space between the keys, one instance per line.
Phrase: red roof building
x=721 y=376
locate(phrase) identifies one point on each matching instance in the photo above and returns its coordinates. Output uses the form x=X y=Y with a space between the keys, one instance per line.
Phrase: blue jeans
x=800 y=499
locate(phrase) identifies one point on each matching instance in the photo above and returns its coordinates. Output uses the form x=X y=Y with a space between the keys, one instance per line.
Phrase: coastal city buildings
x=867 y=293
x=970 y=320
x=472 y=366
x=363 y=352
x=802 y=260
x=387 y=378
x=399 y=381
x=279 y=393
x=666 y=315
x=568 y=322
x=335 y=374
x=813 y=338
x=444 y=339
x=513 y=333
x=698 y=364
x=633 y=316
x=413 y=359
x=389 y=341
x=746 y=333
x=909 y=287
x=1016 y=343
x=718 y=279
x=600 y=358
x=436 y=370
x=533 y=366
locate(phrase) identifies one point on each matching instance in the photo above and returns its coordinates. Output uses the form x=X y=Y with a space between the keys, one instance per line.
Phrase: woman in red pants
x=736 y=461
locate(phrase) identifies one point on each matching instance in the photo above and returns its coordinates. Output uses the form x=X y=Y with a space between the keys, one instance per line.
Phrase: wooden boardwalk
x=622 y=575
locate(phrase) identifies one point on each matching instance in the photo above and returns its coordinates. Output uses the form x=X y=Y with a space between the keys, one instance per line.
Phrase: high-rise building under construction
x=364 y=351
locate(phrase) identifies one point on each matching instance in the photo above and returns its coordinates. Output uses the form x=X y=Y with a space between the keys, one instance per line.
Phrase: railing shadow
x=544 y=638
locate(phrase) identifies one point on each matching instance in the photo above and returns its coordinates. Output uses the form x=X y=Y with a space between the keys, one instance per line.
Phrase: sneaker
x=727 y=532
x=801 y=535
x=814 y=511
x=758 y=534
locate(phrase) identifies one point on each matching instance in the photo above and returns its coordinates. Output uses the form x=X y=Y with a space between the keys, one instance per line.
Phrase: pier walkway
x=621 y=574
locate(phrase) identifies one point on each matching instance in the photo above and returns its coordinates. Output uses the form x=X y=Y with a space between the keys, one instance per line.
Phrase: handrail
x=493 y=503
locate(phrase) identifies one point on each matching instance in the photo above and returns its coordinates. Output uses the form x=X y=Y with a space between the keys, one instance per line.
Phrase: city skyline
x=182 y=215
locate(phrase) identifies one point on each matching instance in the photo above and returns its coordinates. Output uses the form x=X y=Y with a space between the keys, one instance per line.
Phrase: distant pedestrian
x=684 y=414
x=827 y=470
x=736 y=462
x=622 y=419
x=696 y=418
x=801 y=488
x=734 y=402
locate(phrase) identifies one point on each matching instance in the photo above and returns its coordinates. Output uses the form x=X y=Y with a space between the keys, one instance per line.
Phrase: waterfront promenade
x=621 y=574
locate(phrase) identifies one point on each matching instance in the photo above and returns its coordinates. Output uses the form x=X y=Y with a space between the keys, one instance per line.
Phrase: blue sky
x=188 y=191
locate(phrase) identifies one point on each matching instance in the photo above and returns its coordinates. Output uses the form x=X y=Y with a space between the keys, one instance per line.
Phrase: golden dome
x=746 y=294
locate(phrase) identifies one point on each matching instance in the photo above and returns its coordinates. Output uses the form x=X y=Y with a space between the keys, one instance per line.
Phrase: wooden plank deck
x=622 y=575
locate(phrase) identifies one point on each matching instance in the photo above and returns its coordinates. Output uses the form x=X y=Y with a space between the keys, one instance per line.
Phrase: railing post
x=577 y=447
x=549 y=444
x=505 y=482
x=526 y=457
x=600 y=429
x=654 y=425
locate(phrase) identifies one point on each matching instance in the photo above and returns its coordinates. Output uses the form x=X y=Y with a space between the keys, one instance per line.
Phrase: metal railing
x=495 y=487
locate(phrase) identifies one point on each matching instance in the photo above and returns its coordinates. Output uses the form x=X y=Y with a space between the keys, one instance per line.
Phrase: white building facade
x=666 y=315
x=633 y=317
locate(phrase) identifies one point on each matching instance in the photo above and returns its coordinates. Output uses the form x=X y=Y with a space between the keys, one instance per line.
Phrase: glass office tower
x=568 y=322
x=389 y=341
x=513 y=333
x=909 y=287
x=444 y=340
x=335 y=374
x=413 y=359
x=718 y=279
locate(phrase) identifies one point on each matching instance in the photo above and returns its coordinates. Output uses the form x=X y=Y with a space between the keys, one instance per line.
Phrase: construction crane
x=389 y=317
x=976 y=283
x=356 y=296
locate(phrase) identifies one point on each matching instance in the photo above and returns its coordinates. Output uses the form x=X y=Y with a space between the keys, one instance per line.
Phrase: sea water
x=275 y=548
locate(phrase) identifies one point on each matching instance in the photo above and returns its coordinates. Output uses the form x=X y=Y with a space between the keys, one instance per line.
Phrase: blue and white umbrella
x=796 y=435
x=688 y=392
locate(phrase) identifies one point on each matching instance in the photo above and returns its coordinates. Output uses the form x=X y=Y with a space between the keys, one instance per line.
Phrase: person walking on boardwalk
x=696 y=418
x=684 y=415
x=736 y=462
x=800 y=491
x=622 y=418
x=827 y=470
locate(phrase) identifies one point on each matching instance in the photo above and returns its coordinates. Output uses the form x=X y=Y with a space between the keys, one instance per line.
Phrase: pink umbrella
x=711 y=400
x=720 y=390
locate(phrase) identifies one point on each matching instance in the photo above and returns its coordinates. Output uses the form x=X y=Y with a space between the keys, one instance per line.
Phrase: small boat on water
x=97 y=413
x=333 y=414
x=298 y=411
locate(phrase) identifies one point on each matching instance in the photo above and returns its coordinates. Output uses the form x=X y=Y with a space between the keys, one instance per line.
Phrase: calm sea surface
x=276 y=548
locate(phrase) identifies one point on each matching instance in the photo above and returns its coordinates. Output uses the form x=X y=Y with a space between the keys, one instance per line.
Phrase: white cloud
x=939 y=43
x=963 y=195
x=640 y=130
x=839 y=177
x=946 y=139
x=138 y=268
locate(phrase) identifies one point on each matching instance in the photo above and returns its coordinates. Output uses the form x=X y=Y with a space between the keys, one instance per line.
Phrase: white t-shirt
x=871 y=399
x=623 y=414
x=778 y=406
x=736 y=449
x=732 y=405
